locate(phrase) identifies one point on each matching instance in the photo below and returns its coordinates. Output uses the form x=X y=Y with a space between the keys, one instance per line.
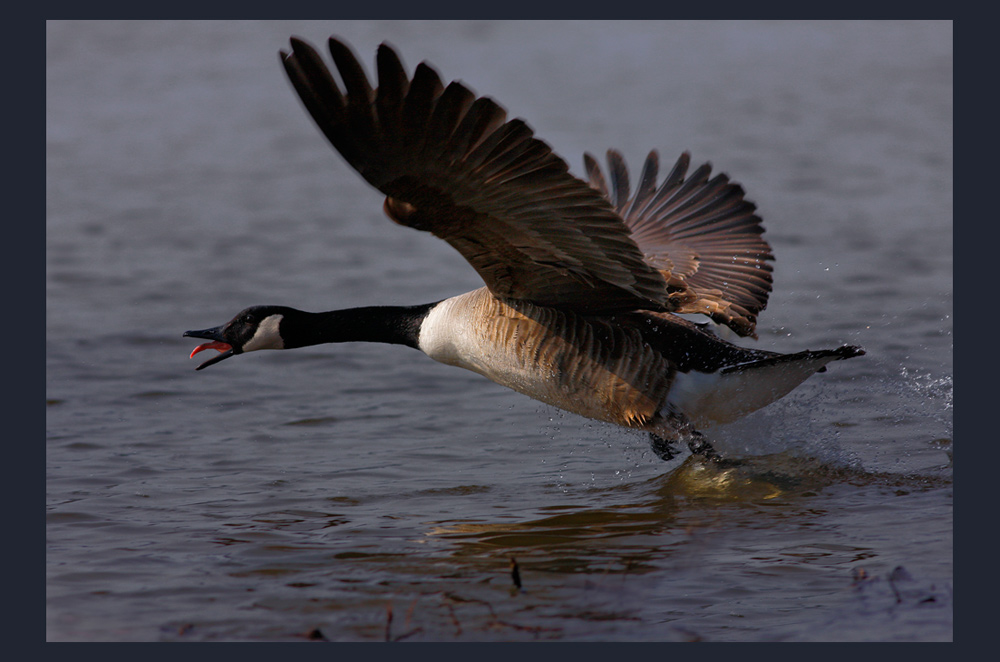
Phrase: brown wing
x=698 y=232
x=452 y=165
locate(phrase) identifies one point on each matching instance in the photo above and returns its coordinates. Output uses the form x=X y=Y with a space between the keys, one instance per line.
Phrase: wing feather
x=451 y=164
x=698 y=230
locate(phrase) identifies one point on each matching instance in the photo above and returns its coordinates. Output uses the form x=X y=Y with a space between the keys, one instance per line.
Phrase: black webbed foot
x=698 y=443
x=663 y=448
x=666 y=449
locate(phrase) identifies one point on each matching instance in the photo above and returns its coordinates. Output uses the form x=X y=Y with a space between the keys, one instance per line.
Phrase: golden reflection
x=734 y=483
x=676 y=507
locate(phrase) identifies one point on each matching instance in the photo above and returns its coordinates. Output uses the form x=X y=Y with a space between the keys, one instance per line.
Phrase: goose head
x=257 y=327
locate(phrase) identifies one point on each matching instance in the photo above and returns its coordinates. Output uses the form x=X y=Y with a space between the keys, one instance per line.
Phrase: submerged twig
x=495 y=621
x=898 y=573
x=406 y=623
x=454 y=620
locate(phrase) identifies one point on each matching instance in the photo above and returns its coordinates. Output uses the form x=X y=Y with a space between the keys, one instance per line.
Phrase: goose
x=584 y=280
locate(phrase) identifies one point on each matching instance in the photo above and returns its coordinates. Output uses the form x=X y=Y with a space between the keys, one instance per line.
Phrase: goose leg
x=666 y=449
x=697 y=442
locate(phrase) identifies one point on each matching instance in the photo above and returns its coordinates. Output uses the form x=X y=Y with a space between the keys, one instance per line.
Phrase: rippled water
x=363 y=492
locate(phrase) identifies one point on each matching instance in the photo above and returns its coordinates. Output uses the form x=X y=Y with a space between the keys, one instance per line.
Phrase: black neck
x=398 y=325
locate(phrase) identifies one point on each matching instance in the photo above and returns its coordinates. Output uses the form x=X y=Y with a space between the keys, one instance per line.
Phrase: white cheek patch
x=437 y=334
x=267 y=335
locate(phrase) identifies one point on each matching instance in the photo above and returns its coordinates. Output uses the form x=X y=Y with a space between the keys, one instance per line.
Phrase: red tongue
x=215 y=344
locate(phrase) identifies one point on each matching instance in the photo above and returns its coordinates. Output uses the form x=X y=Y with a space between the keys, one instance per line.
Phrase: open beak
x=218 y=344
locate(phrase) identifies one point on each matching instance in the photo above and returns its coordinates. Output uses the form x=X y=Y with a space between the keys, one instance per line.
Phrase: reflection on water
x=663 y=505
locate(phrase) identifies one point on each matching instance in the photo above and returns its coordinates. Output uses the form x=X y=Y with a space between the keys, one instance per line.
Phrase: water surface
x=363 y=492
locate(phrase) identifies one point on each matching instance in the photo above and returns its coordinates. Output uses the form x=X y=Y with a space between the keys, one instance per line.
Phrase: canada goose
x=582 y=279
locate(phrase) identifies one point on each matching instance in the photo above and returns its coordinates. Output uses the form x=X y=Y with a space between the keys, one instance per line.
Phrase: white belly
x=550 y=356
x=454 y=335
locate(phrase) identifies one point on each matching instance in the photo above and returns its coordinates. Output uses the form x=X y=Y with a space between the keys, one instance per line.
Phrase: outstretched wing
x=696 y=231
x=451 y=164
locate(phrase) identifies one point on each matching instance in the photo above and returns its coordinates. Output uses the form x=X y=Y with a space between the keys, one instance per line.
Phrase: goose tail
x=706 y=399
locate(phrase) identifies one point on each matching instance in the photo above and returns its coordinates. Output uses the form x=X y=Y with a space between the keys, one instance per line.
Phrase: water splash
x=935 y=395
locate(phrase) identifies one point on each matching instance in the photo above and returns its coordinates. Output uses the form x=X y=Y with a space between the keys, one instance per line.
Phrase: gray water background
x=289 y=495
